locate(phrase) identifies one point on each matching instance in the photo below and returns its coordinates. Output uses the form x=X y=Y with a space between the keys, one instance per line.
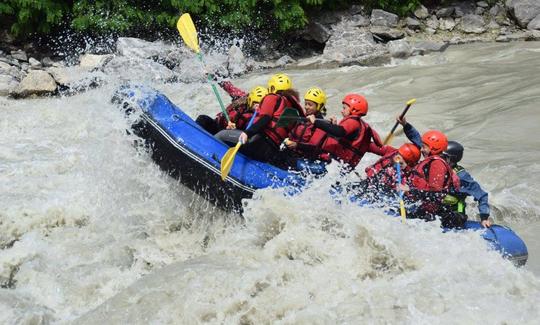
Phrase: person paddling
x=305 y=140
x=352 y=137
x=468 y=186
x=265 y=135
x=431 y=179
x=239 y=111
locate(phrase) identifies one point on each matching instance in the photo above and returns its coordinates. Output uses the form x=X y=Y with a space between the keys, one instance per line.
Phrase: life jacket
x=421 y=171
x=241 y=117
x=456 y=200
x=352 y=148
x=279 y=103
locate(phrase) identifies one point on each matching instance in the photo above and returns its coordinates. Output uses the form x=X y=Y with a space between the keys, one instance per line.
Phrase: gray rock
x=480 y=11
x=284 y=60
x=447 y=24
x=7 y=84
x=93 y=61
x=383 y=18
x=472 y=24
x=348 y=44
x=493 y=25
x=421 y=12
x=412 y=23
x=432 y=23
x=387 y=34
x=534 y=24
x=138 y=48
x=34 y=64
x=236 y=61
x=427 y=47
x=464 y=8
x=19 y=55
x=359 y=21
x=519 y=36
x=37 y=82
x=430 y=31
x=445 y=12
x=318 y=32
x=399 y=49
x=25 y=66
x=140 y=69
x=495 y=10
x=482 y=4
x=523 y=11
x=13 y=71
x=47 y=62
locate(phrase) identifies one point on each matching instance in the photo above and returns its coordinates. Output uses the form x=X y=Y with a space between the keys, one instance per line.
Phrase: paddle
x=401 y=203
x=289 y=116
x=228 y=157
x=390 y=135
x=189 y=34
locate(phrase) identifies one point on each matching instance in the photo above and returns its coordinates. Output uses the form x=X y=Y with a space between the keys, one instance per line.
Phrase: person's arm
x=413 y=135
x=471 y=187
x=332 y=129
x=258 y=126
x=233 y=91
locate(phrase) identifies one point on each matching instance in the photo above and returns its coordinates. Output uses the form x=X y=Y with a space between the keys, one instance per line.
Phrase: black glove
x=484 y=216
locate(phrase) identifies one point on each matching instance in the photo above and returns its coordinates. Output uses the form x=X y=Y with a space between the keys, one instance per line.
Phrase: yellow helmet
x=256 y=95
x=317 y=96
x=279 y=81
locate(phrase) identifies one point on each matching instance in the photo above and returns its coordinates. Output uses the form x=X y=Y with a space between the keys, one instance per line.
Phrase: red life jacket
x=274 y=105
x=420 y=175
x=385 y=161
x=351 y=149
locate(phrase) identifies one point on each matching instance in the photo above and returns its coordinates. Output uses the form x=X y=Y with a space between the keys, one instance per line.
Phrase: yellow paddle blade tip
x=411 y=101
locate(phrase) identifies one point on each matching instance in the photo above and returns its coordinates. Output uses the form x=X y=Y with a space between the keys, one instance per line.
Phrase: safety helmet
x=436 y=141
x=256 y=95
x=317 y=96
x=454 y=152
x=357 y=103
x=410 y=153
x=279 y=81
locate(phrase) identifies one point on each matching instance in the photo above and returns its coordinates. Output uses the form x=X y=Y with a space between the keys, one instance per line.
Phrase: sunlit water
x=92 y=232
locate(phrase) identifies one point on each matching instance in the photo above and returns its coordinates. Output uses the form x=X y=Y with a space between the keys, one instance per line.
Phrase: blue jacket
x=468 y=186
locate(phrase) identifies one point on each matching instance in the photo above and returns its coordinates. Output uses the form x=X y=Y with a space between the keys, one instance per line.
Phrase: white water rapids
x=92 y=232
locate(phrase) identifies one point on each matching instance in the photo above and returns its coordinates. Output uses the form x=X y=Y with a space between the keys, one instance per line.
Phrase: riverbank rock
x=523 y=11
x=37 y=82
x=472 y=24
x=93 y=61
x=76 y=79
x=7 y=84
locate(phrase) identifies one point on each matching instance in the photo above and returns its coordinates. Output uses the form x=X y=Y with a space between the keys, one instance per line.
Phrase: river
x=91 y=231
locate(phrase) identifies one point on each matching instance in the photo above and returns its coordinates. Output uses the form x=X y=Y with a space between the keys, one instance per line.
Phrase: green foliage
x=127 y=16
x=30 y=16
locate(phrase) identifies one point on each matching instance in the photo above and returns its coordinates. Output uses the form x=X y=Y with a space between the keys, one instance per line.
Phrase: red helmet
x=410 y=153
x=436 y=141
x=357 y=104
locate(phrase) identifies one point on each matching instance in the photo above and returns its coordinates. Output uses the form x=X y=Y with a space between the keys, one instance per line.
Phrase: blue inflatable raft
x=192 y=155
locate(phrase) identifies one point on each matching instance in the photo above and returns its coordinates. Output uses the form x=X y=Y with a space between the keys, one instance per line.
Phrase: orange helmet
x=436 y=141
x=410 y=153
x=357 y=104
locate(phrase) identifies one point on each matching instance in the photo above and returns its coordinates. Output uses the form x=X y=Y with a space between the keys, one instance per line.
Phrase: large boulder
x=138 y=48
x=10 y=70
x=349 y=45
x=37 y=82
x=534 y=24
x=131 y=68
x=383 y=18
x=427 y=47
x=19 y=55
x=317 y=32
x=399 y=49
x=421 y=12
x=76 y=78
x=523 y=11
x=472 y=24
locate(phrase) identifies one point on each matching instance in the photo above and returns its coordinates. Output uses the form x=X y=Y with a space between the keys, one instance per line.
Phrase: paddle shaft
x=389 y=136
x=214 y=88
x=401 y=203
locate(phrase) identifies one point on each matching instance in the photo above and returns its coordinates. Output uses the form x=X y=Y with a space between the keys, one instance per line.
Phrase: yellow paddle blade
x=228 y=159
x=402 y=210
x=188 y=32
x=411 y=101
